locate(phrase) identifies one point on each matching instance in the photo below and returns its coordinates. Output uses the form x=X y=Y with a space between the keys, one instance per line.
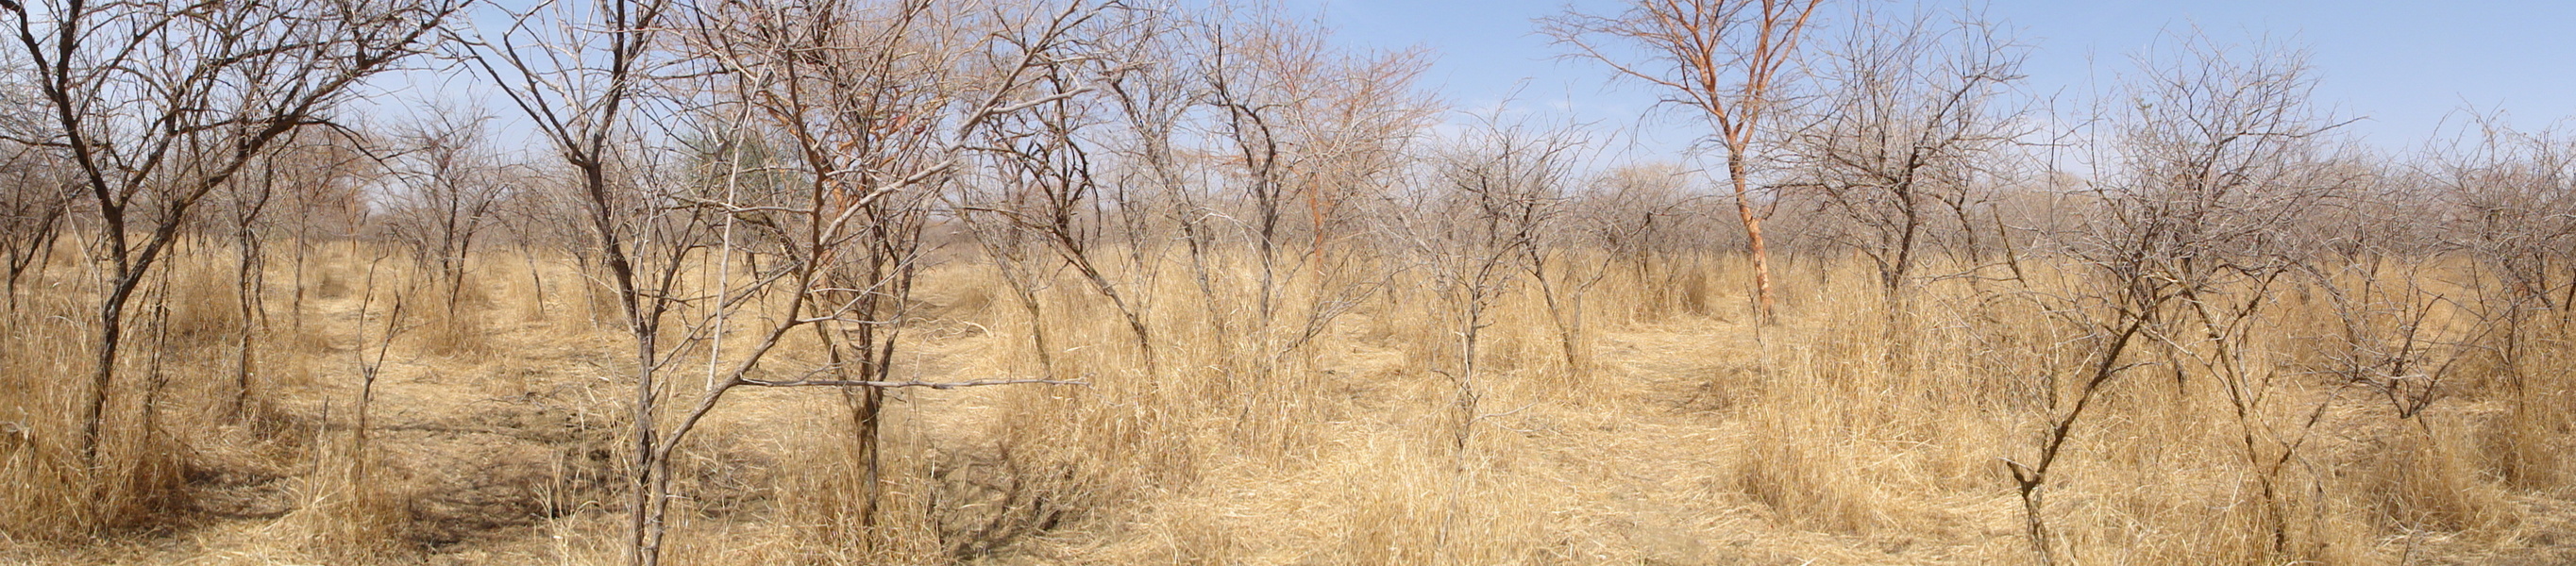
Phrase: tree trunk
x=111 y=318
x=1762 y=302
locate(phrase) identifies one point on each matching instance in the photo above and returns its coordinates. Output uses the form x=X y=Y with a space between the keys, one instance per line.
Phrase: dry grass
x=1680 y=435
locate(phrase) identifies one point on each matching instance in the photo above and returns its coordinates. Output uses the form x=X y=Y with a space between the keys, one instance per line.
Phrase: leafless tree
x=2508 y=198
x=2511 y=202
x=1140 y=78
x=317 y=186
x=1913 y=113
x=1158 y=89
x=156 y=105
x=1303 y=126
x=448 y=185
x=2227 y=153
x=1554 y=234
x=2388 y=337
x=1488 y=198
x=869 y=106
x=1491 y=196
x=1641 y=216
x=34 y=214
x=1049 y=185
x=1720 y=60
x=371 y=365
x=2216 y=152
x=581 y=74
x=293 y=175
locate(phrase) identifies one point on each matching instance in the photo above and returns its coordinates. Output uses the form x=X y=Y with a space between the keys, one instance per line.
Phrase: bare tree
x=579 y=76
x=2217 y=152
x=1640 y=215
x=1719 y=59
x=34 y=214
x=1911 y=116
x=1492 y=195
x=1050 y=186
x=318 y=185
x=2389 y=339
x=1159 y=89
x=868 y=104
x=449 y=184
x=2509 y=198
x=1303 y=125
x=156 y=105
x=1473 y=229
x=1553 y=233
x=292 y=175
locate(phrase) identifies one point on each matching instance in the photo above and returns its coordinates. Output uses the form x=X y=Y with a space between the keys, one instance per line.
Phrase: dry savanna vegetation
x=1146 y=282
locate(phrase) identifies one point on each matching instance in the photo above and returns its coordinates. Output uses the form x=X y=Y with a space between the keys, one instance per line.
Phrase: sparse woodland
x=1147 y=282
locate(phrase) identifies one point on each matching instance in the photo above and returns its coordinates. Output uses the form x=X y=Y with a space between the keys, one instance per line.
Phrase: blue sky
x=2402 y=66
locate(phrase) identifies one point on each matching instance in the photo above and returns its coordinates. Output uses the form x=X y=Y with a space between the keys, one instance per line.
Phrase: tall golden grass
x=1677 y=433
